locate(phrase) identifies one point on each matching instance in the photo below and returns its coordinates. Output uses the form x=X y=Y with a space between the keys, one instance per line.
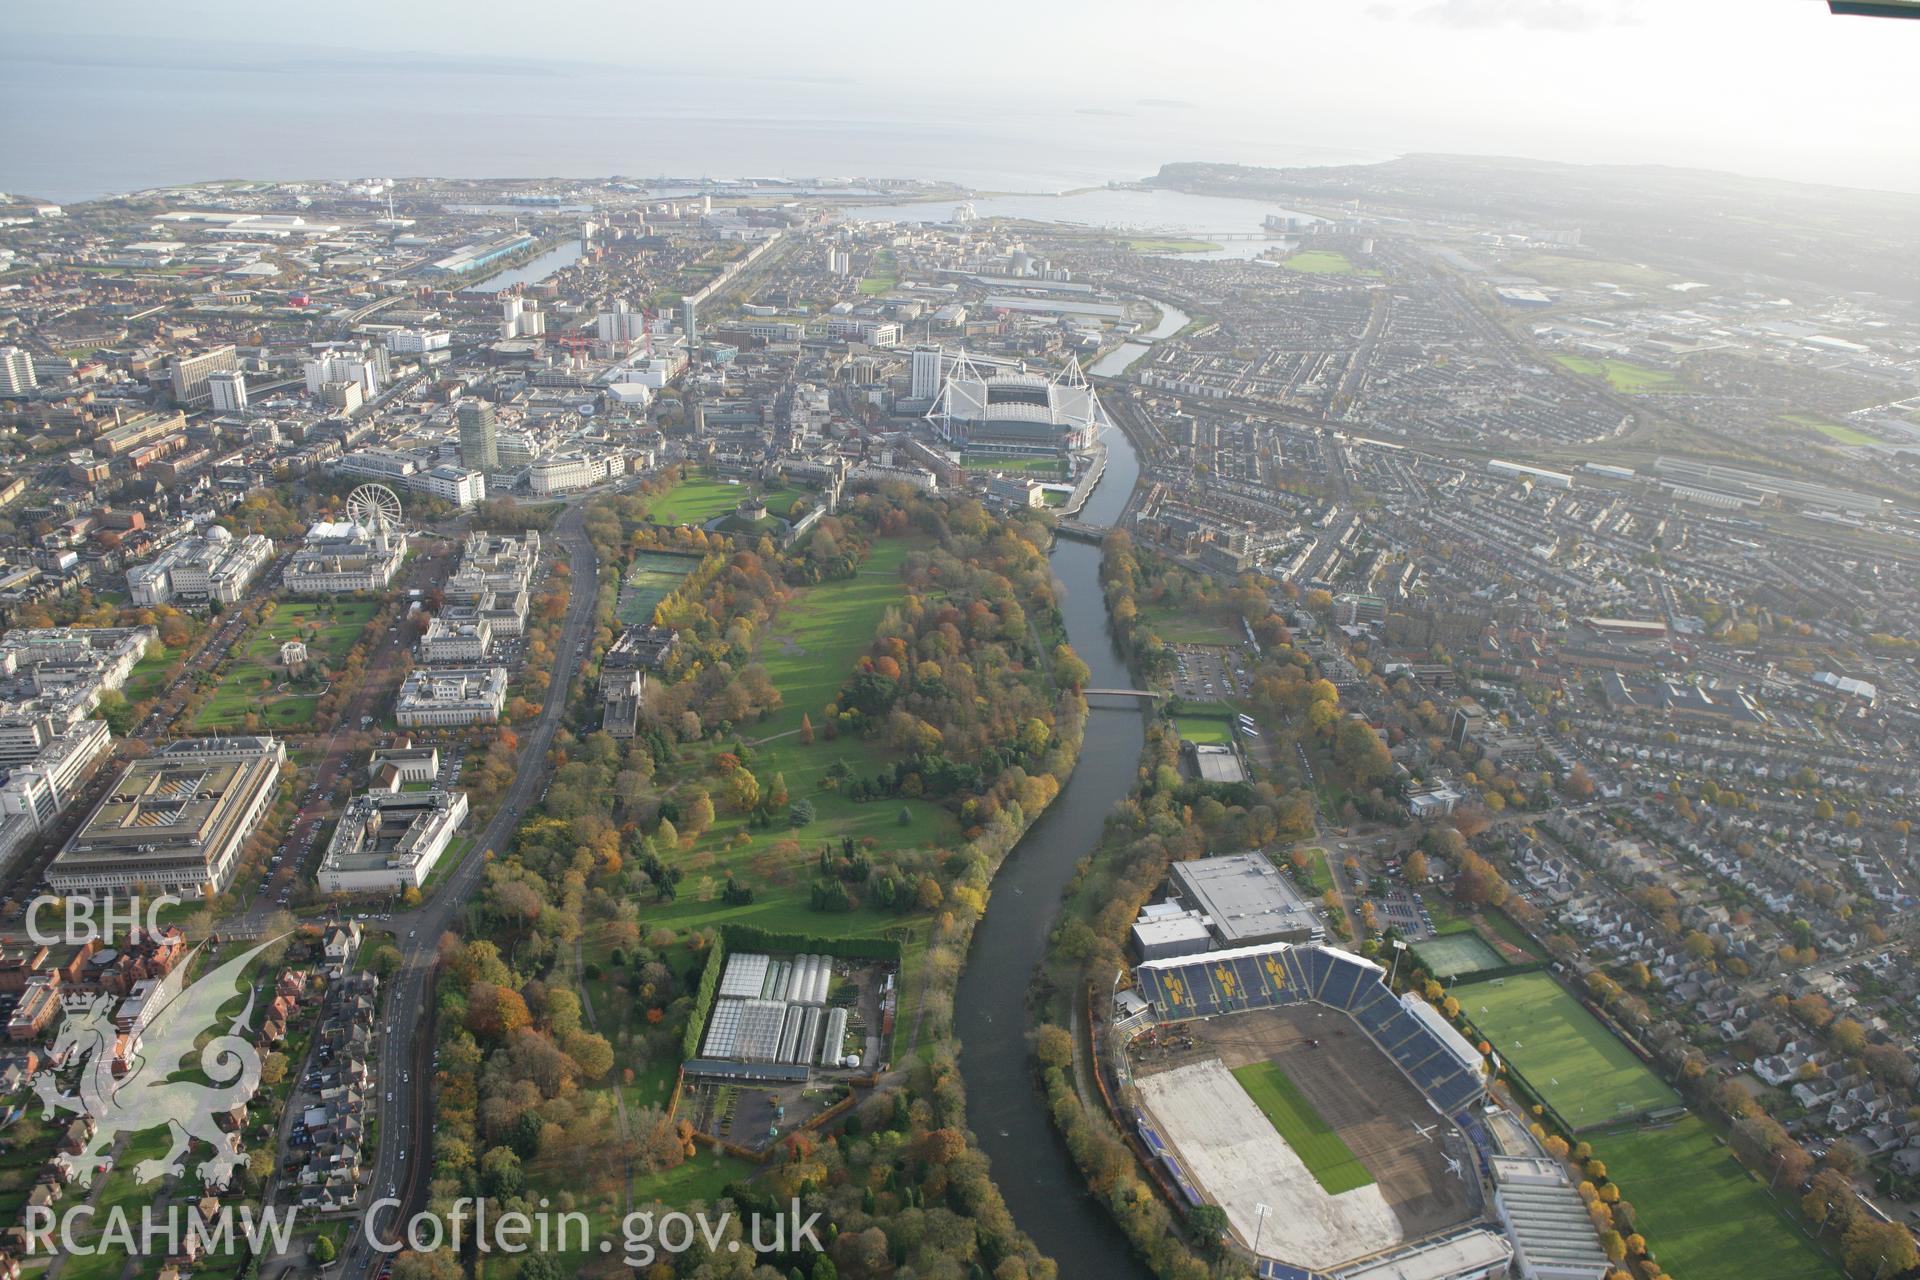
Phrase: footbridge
x=1081 y=531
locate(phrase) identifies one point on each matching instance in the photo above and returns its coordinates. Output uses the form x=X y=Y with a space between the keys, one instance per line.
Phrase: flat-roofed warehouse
x=175 y=821
x=1214 y=762
x=1245 y=900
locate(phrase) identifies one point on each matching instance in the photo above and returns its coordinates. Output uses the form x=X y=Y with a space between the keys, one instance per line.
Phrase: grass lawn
x=1203 y=729
x=1510 y=933
x=104 y=1262
x=1171 y=245
x=774 y=912
x=1833 y=431
x=913 y=979
x=808 y=651
x=1704 y=1216
x=1580 y=1068
x=1453 y=954
x=1176 y=624
x=150 y=673
x=882 y=275
x=1621 y=375
x=700 y=1178
x=1320 y=262
x=120 y=1190
x=1329 y=1159
x=1552 y=268
x=1318 y=876
x=254 y=680
x=456 y=853
x=700 y=499
x=1445 y=918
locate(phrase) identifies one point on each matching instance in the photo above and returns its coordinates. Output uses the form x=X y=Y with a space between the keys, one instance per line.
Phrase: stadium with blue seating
x=1440 y=1062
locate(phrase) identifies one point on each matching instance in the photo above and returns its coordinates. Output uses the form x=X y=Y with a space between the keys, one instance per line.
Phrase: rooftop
x=1244 y=896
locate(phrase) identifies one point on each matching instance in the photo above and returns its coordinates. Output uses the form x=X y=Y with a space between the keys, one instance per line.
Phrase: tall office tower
x=686 y=320
x=190 y=373
x=587 y=230
x=229 y=389
x=926 y=373
x=16 y=372
x=478 y=448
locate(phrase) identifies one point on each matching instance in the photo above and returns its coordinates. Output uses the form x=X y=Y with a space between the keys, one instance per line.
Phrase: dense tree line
x=996 y=723
x=1164 y=820
x=1136 y=579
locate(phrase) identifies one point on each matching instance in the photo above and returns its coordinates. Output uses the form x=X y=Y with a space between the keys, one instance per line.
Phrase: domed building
x=212 y=567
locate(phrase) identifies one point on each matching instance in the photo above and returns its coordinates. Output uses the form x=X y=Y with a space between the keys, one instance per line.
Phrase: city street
x=403 y=1162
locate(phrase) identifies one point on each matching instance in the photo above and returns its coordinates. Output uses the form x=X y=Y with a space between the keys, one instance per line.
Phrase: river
x=1121 y=358
x=1005 y=1107
x=533 y=270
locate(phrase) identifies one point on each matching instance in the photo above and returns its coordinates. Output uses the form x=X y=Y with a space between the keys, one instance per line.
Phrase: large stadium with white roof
x=998 y=411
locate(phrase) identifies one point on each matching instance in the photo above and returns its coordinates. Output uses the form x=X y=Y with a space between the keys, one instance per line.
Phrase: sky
x=1776 y=88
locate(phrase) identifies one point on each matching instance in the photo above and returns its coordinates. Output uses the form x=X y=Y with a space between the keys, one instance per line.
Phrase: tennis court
x=1452 y=954
x=651 y=579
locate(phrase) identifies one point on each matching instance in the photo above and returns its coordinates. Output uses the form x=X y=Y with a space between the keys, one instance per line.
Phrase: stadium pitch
x=1241 y=1155
x=1330 y=1160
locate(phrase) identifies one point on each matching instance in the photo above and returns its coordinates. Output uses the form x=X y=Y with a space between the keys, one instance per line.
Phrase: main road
x=403 y=1083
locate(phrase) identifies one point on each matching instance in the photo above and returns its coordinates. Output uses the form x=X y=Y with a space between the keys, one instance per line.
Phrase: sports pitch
x=1452 y=954
x=1573 y=1062
x=1274 y=1106
x=1204 y=729
x=1621 y=375
x=652 y=579
x=1708 y=1217
x=1330 y=1161
x=1320 y=262
x=1240 y=1162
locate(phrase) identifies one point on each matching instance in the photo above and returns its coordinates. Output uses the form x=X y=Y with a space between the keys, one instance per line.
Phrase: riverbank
x=532 y=266
x=1006 y=1107
x=1118 y=360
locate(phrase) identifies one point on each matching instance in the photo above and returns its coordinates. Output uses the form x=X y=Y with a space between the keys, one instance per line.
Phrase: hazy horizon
x=1053 y=95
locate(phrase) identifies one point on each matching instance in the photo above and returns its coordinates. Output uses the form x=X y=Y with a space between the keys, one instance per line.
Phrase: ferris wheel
x=374 y=506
